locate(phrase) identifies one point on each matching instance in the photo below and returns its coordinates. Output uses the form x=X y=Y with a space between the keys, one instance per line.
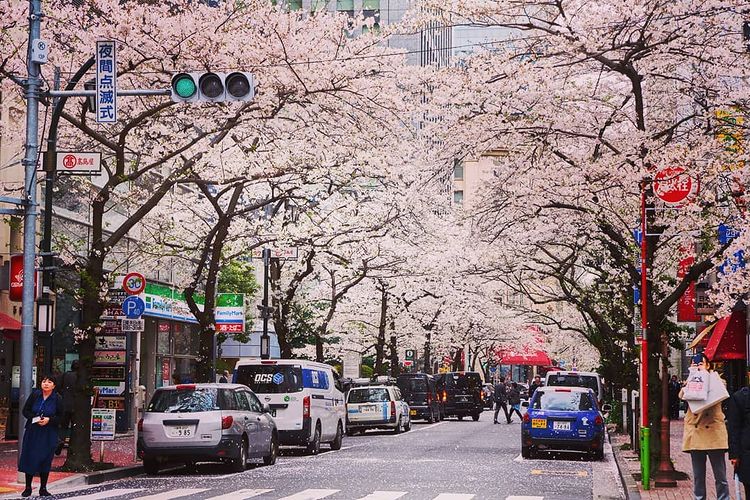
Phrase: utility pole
x=265 y=340
x=31 y=85
x=645 y=430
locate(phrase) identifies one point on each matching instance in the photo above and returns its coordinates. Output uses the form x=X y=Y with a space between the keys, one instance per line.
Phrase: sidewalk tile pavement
x=119 y=452
x=629 y=464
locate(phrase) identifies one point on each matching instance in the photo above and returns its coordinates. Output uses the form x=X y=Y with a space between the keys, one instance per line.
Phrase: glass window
x=162 y=338
x=295 y=4
x=242 y=402
x=458 y=197
x=370 y=4
x=412 y=384
x=458 y=172
x=345 y=5
x=270 y=379
x=574 y=381
x=255 y=404
x=189 y=400
x=227 y=400
x=563 y=401
x=185 y=341
x=370 y=395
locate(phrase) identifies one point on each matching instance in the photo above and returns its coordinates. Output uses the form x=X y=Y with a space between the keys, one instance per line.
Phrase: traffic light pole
x=645 y=430
x=32 y=86
x=265 y=340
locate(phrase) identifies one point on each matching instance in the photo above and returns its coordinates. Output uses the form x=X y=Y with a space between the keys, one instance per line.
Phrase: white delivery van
x=305 y=397
x=577 y=379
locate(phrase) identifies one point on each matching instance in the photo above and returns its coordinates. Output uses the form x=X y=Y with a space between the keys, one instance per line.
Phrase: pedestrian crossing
x=307 y=494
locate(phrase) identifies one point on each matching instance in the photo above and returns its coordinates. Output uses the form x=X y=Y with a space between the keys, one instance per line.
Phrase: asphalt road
x=450 y=460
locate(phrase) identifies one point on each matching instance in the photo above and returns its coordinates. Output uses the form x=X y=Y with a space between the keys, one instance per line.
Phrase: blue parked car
x=563 y=418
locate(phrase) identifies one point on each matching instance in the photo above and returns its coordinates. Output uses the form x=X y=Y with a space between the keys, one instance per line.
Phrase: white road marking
x=168 y=495
x=515 y=497
x=454 y=496
x=310 y=495
x=384 y=495
x=240 y=495
x=117 y=492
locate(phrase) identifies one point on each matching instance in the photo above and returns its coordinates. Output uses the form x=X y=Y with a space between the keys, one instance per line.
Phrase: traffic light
x=213 y=87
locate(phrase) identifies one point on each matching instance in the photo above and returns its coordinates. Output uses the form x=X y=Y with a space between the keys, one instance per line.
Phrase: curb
x=631 y=487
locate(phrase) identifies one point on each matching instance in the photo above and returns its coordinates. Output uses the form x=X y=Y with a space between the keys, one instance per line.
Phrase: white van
x=577 y=379
x=305 y=397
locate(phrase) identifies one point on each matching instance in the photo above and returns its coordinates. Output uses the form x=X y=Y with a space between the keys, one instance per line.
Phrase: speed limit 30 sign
x=134 y=283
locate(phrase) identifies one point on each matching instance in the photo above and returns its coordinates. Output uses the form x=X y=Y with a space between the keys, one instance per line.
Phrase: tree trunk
x=427 y=353
x=395 y=366
x=380 y=344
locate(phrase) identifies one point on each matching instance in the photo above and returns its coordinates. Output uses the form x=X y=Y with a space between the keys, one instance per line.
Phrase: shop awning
x=10 y=327
x=702 y=335
x=534 y=358
x=728 y=340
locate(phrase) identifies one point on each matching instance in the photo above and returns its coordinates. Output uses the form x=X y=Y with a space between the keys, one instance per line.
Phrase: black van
x=461 y=393
x=419 y=392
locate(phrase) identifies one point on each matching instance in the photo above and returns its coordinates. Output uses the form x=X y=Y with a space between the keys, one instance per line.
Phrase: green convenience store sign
x=166 y=302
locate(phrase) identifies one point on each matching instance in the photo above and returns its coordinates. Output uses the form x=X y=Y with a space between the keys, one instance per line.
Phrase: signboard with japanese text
x=107 y=373
x=673 y=185
x=15 y=290
x=133 y=325
x=102 y=424
x=111 y=402
x=230 y=312
x=72 y=163
x=110 y=388
x=109 y=357
x=686 y=312
x=106 y=81
x=112 y=343
x=287 y=253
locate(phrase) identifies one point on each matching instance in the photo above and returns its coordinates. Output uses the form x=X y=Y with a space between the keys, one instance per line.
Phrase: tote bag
x=717 y=392
x=698 y=382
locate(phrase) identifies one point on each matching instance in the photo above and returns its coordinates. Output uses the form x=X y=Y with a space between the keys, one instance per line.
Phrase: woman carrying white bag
x=705 y=433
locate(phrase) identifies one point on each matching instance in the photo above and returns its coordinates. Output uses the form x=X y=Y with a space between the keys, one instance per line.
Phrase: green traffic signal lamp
x=184 y=88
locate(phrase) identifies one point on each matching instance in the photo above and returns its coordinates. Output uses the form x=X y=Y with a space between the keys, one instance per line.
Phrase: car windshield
x=412 y=384
x=270 y=379
x=183 y=400
x=368 y=395
x=563 y=401
x=574 y=381
x=464 y=382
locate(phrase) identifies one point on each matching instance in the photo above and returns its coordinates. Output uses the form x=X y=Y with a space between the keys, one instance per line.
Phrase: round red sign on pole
x=134 y=283
x=672 y=185
x=69 y=161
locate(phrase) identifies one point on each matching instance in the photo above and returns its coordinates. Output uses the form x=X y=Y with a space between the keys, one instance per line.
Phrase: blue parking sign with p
x=133 y=307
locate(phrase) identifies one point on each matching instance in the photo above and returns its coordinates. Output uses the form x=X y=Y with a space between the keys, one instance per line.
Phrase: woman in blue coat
x=43 y=411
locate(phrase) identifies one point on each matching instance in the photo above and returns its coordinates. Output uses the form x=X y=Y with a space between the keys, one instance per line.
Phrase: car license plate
x=539 y=423
x=180 y=431
x=561 y=426
x=412 y=412
x=369 y=408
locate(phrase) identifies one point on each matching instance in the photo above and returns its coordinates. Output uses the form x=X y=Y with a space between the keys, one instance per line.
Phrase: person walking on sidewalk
x=739 y=435
x=705 y=436
x=536 y=384
x=43 y=411
x=500 y=394
x=66 y=388
x=674 y=398
x=514 y=400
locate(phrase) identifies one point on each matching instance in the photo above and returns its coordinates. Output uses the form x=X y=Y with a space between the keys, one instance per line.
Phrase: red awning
x=10 y=327
x=728 y=339
x=535 y=358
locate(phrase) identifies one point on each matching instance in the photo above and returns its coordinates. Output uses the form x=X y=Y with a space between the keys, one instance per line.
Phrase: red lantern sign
x=673 y=185
x=15 y=288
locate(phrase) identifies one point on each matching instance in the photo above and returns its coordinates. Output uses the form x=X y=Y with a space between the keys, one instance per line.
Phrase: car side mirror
x=606 y=408
x=525 y=404
x=266 y=408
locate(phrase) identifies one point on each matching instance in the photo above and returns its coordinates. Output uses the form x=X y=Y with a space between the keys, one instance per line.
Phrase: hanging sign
x=72 y=163
x=686 y=312
x=230 y=312
x=15 y=287
x=673 y=185
x=106 y=81
x=111 y=343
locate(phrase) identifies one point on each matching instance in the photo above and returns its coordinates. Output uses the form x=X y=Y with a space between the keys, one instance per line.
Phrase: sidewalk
x=118 y=452
x=629 y=465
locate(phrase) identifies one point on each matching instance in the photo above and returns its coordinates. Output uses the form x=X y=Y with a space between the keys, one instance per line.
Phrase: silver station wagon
x=192 y=423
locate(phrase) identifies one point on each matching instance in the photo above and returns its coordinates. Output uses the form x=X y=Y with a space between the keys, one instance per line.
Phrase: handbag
x=717 y=392
x=697 y=386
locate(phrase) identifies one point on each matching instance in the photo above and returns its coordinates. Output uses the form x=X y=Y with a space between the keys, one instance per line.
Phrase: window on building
x=295 y=4
x=345 y=5
x=458 y=172
x=458 y=197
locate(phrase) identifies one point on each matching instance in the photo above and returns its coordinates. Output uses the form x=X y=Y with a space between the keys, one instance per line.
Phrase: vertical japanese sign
x=686 y=312
x=230 y=313
x=106 y=82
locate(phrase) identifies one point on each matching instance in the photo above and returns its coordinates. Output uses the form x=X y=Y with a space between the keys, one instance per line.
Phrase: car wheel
x=460 y=417
x=273 y=452
x=314 y=447
x=238 y=464
x=526 y=452
x=336 y=443
x=431 y=418
x=407 y=428
x=191 y=467
x=151 y=466
x=475 y=417
x=397 y=430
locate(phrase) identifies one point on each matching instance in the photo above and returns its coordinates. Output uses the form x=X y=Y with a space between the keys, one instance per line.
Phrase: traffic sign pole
x=645 y=430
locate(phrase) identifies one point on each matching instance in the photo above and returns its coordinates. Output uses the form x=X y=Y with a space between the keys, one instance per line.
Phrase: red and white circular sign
x=134 y=283
x=673 y=185
x=69 y=161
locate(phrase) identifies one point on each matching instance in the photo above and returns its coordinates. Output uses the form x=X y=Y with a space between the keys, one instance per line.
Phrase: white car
x=305 y=398
x=577 y=379
x=376 y=407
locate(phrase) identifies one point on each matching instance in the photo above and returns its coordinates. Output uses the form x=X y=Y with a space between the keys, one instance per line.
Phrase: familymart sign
x=230 y=312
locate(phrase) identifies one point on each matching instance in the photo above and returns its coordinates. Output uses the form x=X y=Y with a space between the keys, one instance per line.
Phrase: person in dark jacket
x=514 y=400
x=674 y=398
x=500 y=394
x=66 y=388
x=738 y=426
x=43 y=412
x=536 y=384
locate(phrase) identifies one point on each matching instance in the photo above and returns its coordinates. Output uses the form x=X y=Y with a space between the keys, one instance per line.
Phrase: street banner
x=106 y=81
x=686 y=312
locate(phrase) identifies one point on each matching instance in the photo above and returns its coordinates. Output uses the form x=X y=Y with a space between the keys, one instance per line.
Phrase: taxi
x=565 y=419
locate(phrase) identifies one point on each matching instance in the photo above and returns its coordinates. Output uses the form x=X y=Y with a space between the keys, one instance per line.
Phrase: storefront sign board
x=103 y=424
x=110 y=357
x=111 y=343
